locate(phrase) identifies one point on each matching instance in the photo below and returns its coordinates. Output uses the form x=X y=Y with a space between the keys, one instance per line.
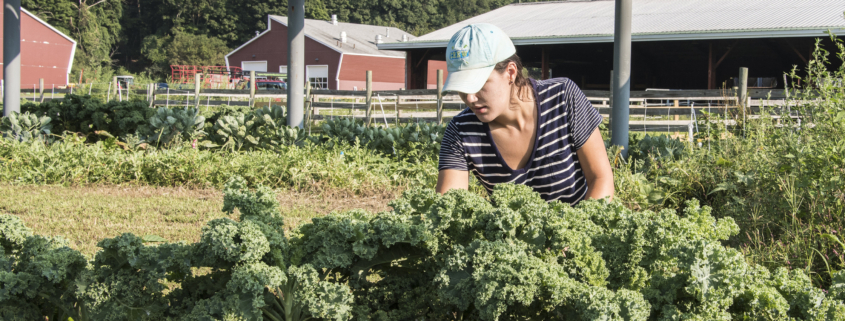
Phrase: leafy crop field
x=741 y=223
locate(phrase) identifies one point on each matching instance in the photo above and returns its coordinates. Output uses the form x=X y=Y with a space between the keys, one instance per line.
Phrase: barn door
x=318 y=75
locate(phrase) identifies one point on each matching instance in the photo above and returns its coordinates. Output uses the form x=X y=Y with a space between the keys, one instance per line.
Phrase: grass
x=84 y=215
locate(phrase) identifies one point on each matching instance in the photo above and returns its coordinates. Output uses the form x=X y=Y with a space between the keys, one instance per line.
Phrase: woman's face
x=494 y=98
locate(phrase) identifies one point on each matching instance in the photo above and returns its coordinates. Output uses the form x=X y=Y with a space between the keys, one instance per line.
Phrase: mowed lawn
x=84 y=215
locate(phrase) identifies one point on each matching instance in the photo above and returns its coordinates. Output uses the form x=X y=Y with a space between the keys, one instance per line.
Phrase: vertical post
x=677 y=105
x=296 y=61
x=116 y=84
x=11 y=57
x=743 y=93
x=197 y=85
x=152 y=95
x=252 y=89
x=369 y=111
x=308 y=109
x=396 y=109
x=41 y=89
x=439 y=96
x=622 y=82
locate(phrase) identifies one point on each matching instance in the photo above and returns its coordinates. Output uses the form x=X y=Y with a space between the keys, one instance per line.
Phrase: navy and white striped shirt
x=566 y=120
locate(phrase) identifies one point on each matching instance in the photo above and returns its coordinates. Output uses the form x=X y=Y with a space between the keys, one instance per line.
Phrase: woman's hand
x=451 y=179
x=594 y=163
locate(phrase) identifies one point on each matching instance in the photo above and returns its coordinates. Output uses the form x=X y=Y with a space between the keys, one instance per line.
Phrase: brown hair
x=520 y=82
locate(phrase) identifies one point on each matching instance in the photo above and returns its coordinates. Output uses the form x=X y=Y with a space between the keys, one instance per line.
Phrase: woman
x=543 y=134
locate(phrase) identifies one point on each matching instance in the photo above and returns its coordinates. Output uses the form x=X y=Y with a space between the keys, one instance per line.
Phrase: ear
x=512 y=71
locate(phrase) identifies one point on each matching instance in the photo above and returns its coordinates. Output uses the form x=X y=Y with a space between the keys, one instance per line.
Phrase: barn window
x=257 y=66
x=318 y=75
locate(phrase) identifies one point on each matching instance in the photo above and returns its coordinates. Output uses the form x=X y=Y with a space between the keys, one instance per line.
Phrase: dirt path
x=85 y=215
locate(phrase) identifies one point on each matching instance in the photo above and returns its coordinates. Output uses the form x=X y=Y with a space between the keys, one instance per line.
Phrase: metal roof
x=652 y=20
x=360 y=38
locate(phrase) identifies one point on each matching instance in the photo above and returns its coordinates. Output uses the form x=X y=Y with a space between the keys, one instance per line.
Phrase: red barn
x=45 y=52
x=337 y=54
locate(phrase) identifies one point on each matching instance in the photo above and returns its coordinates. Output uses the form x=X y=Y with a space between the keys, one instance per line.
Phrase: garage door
x=254 y=65
x=318 y=75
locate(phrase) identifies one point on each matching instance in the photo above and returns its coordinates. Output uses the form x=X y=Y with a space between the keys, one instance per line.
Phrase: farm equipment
x=212 y=76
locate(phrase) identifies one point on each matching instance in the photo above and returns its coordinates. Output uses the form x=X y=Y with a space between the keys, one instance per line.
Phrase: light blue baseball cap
x=472 y=54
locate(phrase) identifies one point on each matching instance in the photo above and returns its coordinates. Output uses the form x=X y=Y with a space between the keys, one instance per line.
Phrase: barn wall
x=433 y=66
x=388 y=72
x=273 y=48
x=44 y=54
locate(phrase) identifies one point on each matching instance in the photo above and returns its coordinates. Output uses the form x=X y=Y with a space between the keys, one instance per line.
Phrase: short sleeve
x=585 y=117
x=451 y=150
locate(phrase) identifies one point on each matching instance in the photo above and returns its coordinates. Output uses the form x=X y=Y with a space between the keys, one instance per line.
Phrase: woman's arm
x=594 y=163
x=451 y=179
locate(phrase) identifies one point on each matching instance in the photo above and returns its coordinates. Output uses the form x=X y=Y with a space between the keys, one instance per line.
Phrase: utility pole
x=296 y=62
x=621 y=85
x=12 y=57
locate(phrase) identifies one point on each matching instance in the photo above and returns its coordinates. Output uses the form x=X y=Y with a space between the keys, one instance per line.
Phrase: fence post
x=307 y=108
x=152 y=95
x=41 y=89
x=197 y=86
x=396 y=109
x=251 y=87
x=369 y=96
x=439 y=96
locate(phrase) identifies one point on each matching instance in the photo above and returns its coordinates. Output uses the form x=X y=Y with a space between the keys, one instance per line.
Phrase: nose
x=471 y=98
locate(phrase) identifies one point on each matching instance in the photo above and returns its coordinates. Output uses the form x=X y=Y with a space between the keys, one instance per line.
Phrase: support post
x=41 y=89
x=439 y=96
x=622 y=75
x=296 y=61
x=197 y=87
x=396 y=109
x=252 y=88
x=743 y=93
x=369 y=102
x=11 y=57
x=116 y=84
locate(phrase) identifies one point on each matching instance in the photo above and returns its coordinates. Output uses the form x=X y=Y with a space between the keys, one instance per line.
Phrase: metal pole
x=622 y=72
x=743 y=93
x=296 y=62
x=12 y=56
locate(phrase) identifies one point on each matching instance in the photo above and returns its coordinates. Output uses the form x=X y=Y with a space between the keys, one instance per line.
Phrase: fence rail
x=425 y=105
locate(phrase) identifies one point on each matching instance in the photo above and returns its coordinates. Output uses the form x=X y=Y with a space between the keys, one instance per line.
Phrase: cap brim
x=467 y=81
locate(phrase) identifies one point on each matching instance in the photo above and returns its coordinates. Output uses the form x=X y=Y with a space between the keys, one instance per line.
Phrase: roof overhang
x=748 y=34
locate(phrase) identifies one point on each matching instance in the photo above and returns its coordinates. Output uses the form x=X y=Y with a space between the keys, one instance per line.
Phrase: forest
x=144 y=38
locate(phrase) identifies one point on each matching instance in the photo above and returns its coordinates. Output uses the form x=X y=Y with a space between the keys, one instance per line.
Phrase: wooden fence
x=648 y=109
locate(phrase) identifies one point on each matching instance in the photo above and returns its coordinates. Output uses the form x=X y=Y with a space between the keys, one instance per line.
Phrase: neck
x=521 y=110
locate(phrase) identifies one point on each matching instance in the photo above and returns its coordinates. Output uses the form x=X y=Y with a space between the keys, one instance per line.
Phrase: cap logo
x=459 y=53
